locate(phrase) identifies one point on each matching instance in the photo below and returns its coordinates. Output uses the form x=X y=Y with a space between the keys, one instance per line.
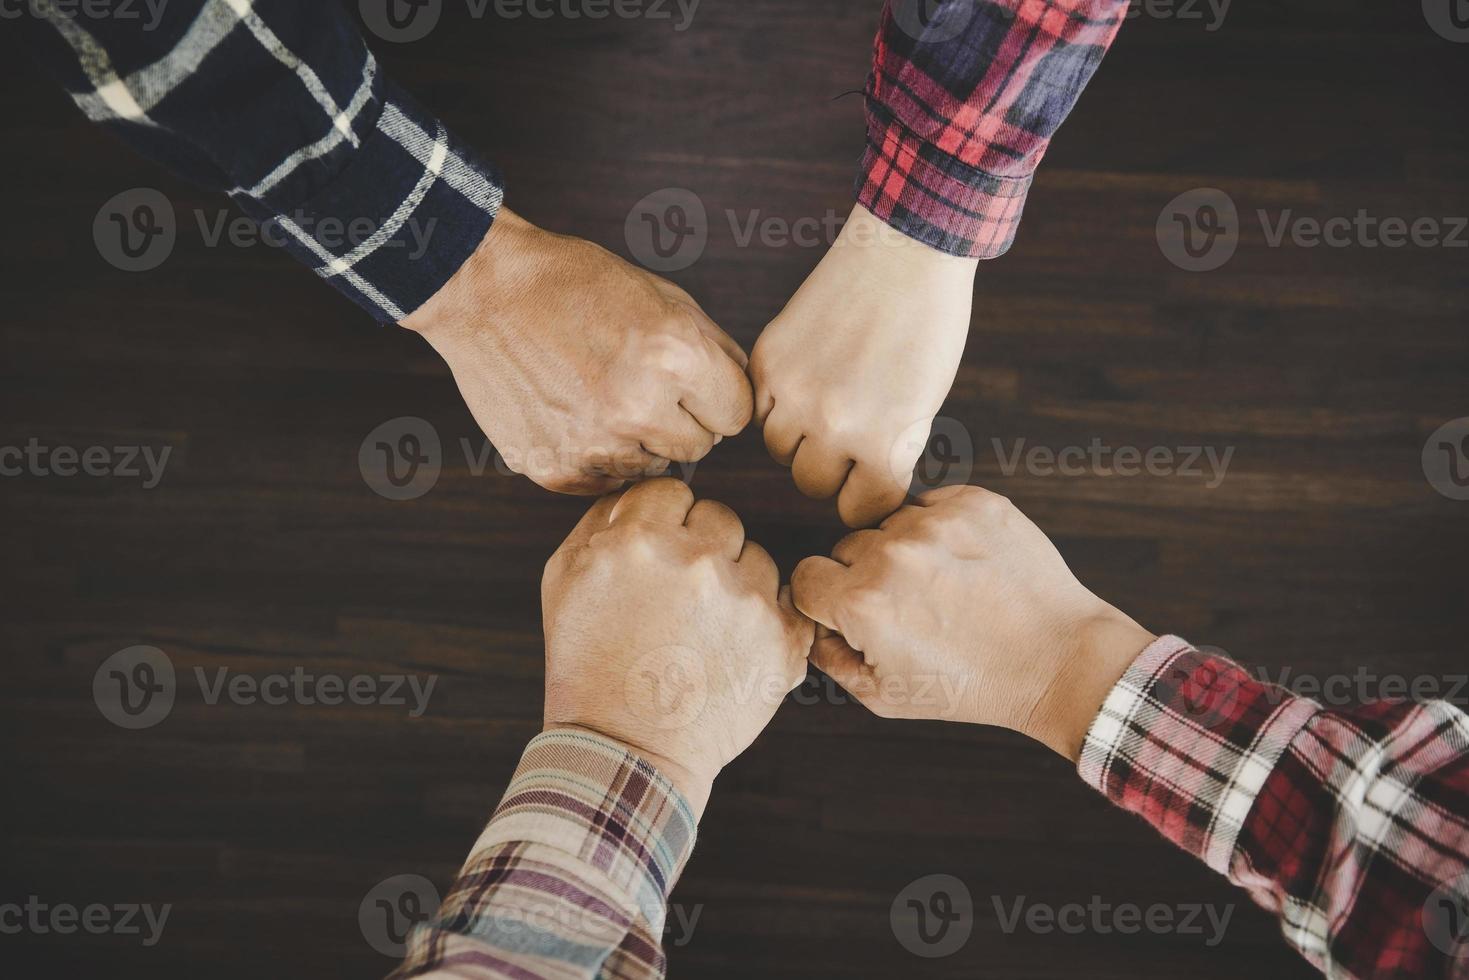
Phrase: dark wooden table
x=1324 y=549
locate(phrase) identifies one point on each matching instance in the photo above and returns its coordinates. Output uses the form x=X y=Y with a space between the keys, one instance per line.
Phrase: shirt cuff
x=1186 y=740
x=399 y=219
x=934 y=197
x=591 y=799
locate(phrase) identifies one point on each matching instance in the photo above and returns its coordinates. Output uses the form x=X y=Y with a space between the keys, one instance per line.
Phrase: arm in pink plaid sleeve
x=1351 y=826
x=570 y=879
x=961 y=106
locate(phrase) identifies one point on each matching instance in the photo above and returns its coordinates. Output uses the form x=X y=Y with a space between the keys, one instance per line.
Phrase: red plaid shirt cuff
x=934 y=198
x=962 y=101
x=1186 y=740
x=1351 y=825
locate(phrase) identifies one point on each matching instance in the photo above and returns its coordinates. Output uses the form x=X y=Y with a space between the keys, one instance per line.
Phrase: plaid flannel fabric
x=961 y=105
x=571 y=877
x=280 y=103
x=1351 y=826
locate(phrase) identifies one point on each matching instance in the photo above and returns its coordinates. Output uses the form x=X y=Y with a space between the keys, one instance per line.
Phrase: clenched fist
x=850 y=375
x=668 y=631
x=959 y=608
x=585 y=372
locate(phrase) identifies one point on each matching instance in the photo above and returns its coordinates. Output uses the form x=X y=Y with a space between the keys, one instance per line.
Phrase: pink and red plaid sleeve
x=570 y=878
x=1351 y=826
x=961 y=105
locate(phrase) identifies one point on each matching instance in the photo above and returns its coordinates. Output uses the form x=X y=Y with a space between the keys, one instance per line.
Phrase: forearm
x=571 y=876
x=961 y=106
x=1350 y=826
x=281 y=104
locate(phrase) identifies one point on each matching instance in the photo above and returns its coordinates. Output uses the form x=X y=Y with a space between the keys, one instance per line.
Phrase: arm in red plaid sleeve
x=1351 y=826
x=571 y=877
x=961 y=106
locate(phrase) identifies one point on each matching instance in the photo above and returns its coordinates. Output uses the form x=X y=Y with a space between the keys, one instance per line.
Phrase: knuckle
x=671 y=350
x=990 y=506
x=905 y=553
x=861 y=602
x=631 y=409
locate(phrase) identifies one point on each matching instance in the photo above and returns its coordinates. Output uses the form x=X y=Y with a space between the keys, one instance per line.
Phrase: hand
x=585 y=372
x=959 y=608
x=668 y=631
x=850 y=375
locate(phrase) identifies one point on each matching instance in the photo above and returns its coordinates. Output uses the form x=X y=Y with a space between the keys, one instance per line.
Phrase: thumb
x=835 y=658
x=594 y=520
x=720 y=397
x=714 y=333
x=817 y=585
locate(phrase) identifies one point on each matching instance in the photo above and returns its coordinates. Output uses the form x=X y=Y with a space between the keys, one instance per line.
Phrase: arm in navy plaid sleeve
x=571 y=877
x=280 y=103
x=1351 y=826
x=961 y=106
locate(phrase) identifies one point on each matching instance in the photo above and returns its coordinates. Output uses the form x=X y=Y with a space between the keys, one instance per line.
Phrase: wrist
x=496 y=273
x=893 y=252
x=1094 y=655
x=692 y=782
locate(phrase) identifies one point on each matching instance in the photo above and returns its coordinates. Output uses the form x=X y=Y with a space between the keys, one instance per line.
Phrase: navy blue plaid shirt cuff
x=399 y=220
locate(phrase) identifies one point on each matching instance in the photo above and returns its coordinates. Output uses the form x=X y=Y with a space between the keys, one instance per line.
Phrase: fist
x=584 y=372
x=959 y=608
x=668 y=631
x=850 y=375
